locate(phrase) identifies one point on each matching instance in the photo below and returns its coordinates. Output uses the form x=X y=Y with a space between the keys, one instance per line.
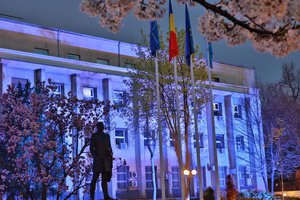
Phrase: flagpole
x=215 y=156
x=178 y=129
x=199 y=170
x=161 y=155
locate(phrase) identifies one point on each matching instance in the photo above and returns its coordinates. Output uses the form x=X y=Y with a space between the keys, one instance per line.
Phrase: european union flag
x=210 y=55
x=189 y=44
x=154 y=38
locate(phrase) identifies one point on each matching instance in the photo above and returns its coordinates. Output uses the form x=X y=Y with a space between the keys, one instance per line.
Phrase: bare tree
x=281 y=131
x=290 y=80
x=250 y=128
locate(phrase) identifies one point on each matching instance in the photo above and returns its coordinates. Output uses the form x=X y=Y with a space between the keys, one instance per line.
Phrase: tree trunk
x=153 y=177
x=272 y=180
x=44 y=192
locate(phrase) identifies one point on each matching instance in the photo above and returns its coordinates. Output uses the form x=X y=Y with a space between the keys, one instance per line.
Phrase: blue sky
x=65 y=14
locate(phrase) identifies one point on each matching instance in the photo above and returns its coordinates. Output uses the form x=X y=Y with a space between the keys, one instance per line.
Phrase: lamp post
x=189 y=174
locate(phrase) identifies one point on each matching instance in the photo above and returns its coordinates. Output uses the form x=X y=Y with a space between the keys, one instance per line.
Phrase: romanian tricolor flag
x=173 y=46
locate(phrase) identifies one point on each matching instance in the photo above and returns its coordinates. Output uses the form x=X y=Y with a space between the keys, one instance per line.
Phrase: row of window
x=77 y=57
x=89 y=93
x=121 y=140
x=128 y=180
x=237 y=110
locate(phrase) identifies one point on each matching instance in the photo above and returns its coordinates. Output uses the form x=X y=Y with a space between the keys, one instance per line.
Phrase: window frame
x=41 y=51
x=94 y=93
x=221 y=141
x=150 y=181
x=122 y=170
x=105 y=61
x=73 y=56
x=124 y=137
x=201 y=140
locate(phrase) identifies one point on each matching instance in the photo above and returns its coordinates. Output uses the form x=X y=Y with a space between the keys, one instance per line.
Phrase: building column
x=251 y=143
x=75 y=139
x=230 y=140
x=39 y=76
x=107 y=96
x=211 y=141
x=138 y=145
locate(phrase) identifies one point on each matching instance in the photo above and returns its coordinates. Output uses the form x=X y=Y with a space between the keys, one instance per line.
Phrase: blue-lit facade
x=92 y=67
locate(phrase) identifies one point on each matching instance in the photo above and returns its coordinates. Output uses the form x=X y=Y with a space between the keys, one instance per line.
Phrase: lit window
x=19 y=82
x=89 y=93
x=122 y=177
x=121 y=138
x=172 y=140
x=119 y=98
x=73 y=56
x=240 y=144
x=217 y=107
x=237 y=111
x=102 y=61
x=149 y=138
x=220 y=141
x=201 y=143
x=41 y=51
x=149 y=177
x=59 y=89
x=222 y=176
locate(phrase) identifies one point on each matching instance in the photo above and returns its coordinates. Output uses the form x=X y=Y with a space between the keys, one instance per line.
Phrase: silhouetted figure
x=101 y=151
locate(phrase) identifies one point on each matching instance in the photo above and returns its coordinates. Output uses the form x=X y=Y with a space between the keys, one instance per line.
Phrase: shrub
x=254 y=194
x=231 y=192
x=209 y=194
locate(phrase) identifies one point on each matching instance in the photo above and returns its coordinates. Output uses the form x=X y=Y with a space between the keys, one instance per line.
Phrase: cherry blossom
x=271 y=25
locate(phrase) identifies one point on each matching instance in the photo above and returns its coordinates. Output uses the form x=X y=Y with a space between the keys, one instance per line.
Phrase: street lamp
x=189 y=174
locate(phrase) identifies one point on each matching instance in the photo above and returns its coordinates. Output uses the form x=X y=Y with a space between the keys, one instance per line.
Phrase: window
x=175 y=178
x=217 y=107
x=21 y=82
x=222 y=176
x=203 y=178
x=129 y=65
x=240 y=145
x=149 y=177
x=122 y=177
x=201 y=143
x=59 y=89
x=89 y=93
x=172 y=140
x=198 y=111
x=149 y=138
x=121 y=138
x=41 y=51
x=242 y=176
x=215 y=79
x=172 y=104
x=119 y=98
x=220 y=141
x=102 y=61
x=237 y=111
x=73 y=56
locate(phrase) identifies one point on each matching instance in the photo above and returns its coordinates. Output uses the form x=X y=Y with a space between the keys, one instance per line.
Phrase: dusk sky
x=66 y=15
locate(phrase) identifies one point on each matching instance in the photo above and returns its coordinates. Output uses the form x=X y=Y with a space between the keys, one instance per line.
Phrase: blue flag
x=189 y=44
x=154 y=38
x=210 y=55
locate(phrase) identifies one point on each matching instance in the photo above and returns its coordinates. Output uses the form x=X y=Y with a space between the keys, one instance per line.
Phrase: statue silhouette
x=101 y=151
